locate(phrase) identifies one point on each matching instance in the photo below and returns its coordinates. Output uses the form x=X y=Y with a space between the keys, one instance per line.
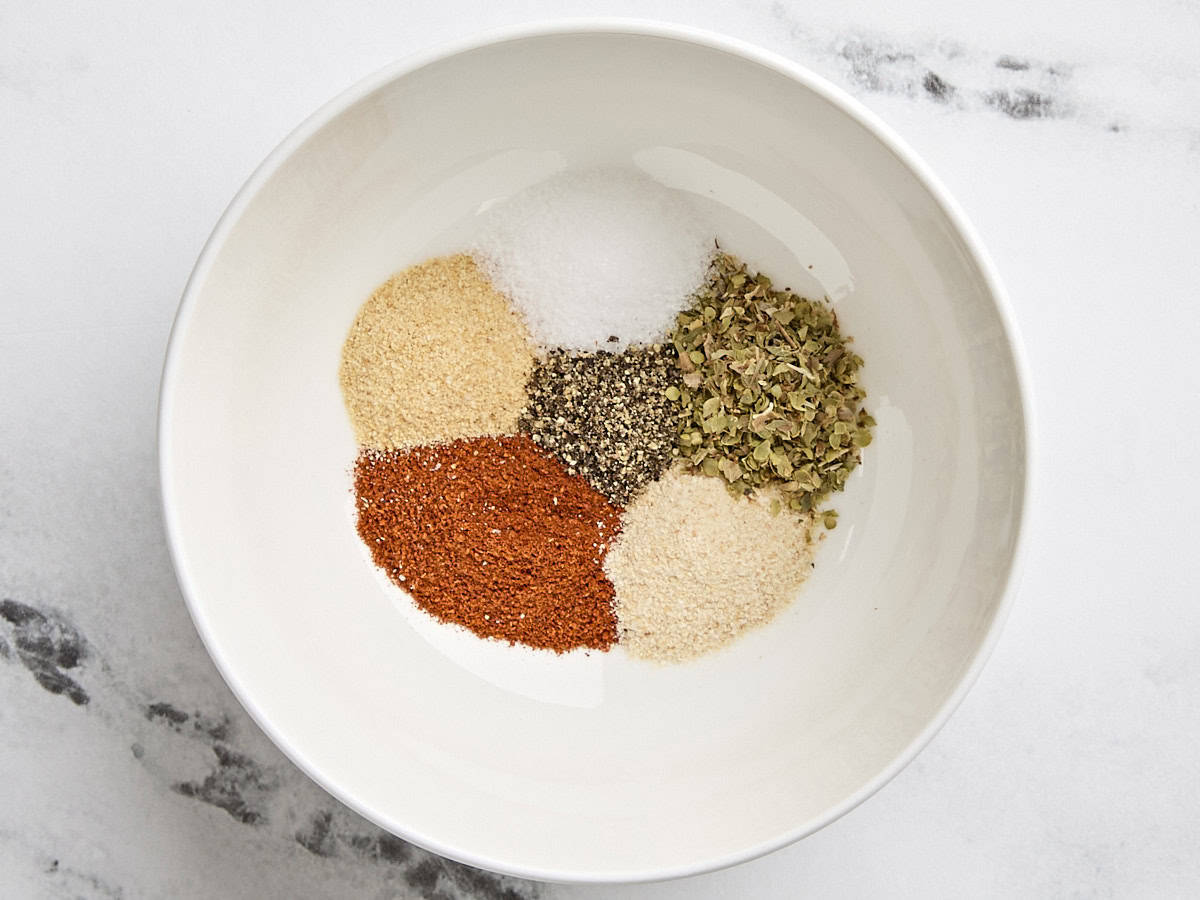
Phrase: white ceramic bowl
x=593 y=768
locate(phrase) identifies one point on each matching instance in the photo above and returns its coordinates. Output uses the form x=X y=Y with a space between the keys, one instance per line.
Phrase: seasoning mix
x=595 y=429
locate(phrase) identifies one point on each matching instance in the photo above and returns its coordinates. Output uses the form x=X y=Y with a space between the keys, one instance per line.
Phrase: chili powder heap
x=493 y=534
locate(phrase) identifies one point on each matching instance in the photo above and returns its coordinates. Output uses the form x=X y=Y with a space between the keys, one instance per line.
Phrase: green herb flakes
x=768 y=390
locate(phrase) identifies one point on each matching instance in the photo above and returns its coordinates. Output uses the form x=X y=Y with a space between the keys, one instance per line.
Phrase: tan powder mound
x=435 y=354
x=695 y=567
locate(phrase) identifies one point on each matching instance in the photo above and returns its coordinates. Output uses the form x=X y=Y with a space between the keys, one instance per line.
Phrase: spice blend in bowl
x=495 y=474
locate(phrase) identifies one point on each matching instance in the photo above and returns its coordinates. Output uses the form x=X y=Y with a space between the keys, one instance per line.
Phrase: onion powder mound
x=596 y=258
x=695 y=567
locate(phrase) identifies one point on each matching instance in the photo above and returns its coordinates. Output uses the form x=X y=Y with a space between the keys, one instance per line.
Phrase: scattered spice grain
x=696 y=566
x=605 y=415
x=435 y=354
x=494 y=535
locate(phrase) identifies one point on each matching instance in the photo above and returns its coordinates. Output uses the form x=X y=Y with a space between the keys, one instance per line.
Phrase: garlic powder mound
x=435 y=354
x=695 y=567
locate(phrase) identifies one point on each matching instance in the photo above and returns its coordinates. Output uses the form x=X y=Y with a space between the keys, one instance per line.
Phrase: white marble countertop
x=1069 y=131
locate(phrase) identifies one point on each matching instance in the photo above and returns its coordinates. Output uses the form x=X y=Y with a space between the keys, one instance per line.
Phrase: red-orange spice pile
x=493 y=534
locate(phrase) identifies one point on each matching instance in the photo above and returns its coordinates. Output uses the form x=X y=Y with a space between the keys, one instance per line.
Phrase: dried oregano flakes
x=768 y=391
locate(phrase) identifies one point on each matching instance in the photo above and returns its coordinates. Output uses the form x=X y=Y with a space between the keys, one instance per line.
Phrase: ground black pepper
x=605 y=415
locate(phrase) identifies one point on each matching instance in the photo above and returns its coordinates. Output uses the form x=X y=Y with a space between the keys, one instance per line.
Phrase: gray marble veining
x=256 y=790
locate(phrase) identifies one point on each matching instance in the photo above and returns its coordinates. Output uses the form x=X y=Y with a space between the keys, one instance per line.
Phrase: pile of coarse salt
x=596 y=254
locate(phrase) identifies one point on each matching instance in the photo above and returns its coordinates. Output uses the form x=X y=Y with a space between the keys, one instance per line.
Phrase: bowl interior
x=595 y=767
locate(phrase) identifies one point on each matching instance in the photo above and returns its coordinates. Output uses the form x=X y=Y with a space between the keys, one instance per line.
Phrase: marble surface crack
x=48 y=646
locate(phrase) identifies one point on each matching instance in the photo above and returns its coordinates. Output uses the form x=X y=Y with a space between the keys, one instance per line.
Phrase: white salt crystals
x=596 y=258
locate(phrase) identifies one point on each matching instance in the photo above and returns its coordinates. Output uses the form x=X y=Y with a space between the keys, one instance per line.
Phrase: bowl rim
x=615 y=26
